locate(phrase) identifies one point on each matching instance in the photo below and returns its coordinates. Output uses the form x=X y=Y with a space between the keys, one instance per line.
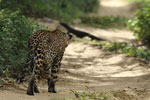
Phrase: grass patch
x=130 y=50
x=60 y=99
x=121 y=47
x=90 y=96
x=105 y=21
x=1 y=81
x=86 y=95
x=134 y=1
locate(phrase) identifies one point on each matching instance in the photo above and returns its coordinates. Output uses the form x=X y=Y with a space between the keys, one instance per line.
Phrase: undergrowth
x=105 y=21
x=87 y=95
x=65 y=10
x=134 y=1
x=121 y=47
x=15 y=30
x=141 y=22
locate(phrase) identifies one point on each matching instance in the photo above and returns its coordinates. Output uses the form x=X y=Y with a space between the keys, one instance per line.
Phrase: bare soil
x=86 y=67
x=117 y=8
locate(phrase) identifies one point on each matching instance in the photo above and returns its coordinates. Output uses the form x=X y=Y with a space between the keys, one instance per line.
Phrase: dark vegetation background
x=57 y=9
x=16 y=27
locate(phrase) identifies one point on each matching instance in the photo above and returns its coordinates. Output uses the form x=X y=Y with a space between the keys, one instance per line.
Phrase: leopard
x=46 y=50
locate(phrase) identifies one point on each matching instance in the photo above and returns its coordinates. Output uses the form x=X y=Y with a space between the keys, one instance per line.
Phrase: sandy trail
x=85 y=65
x=116 y=8
x=112 y=35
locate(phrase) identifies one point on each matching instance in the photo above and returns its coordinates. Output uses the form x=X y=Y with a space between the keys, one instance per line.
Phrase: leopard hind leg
x=30 y=90
x=32 y=86
x=53 y=78
x=38 y=64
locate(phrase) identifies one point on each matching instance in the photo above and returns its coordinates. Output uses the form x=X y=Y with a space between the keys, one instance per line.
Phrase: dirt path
x=86 y=65
x=116 y=8
x=112 y=35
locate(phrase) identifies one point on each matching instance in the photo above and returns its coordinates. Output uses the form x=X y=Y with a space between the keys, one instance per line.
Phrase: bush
x=140 y=1
x=141 y=24
x=66 y=10
x=121 y=47
x=130 y=50
x=14 y=33
x=105 y=21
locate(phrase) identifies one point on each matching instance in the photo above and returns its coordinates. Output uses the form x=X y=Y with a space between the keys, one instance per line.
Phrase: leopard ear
x=58 y=27
x=61 y=28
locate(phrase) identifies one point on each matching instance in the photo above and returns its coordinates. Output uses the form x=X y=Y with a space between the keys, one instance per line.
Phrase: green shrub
x=140 y=1
x=104 y=22
x=14 y=33
x=130 y=50
x=141 y=24
x=66 y=10
x=88 y=95
x=121 y=47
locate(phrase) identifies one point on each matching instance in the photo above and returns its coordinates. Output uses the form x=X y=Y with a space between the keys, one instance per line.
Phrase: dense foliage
x=104 y=21
x=16 y=28
x=58 y=9
x=121 y=47
x=141 y=23
x=14 y=33
x=130 y=50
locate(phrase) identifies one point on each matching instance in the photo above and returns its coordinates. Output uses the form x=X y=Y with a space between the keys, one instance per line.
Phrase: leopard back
x=45 y=49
